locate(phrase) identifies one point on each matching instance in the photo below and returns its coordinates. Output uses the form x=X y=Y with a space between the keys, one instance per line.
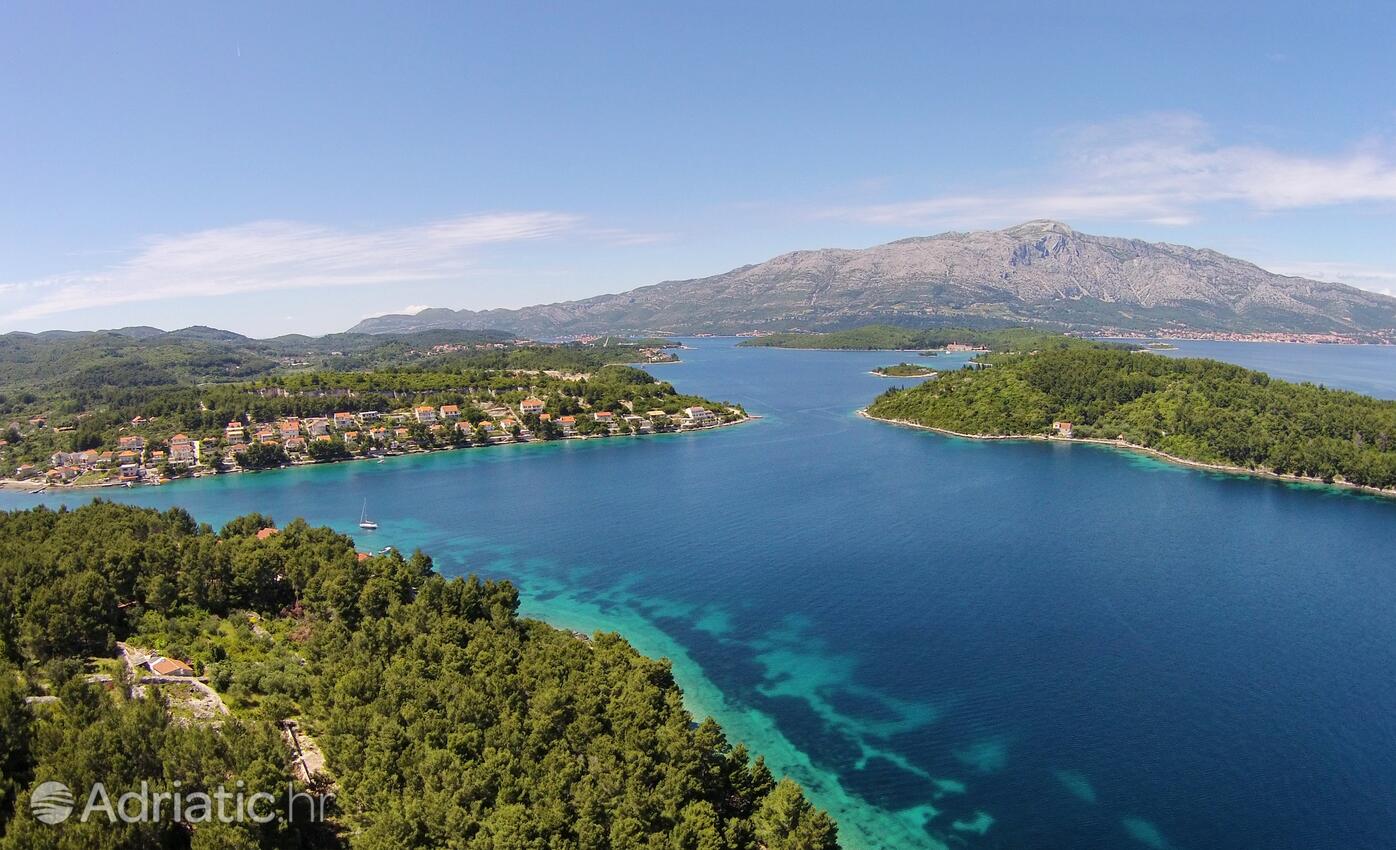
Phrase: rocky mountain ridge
x=1039 y=272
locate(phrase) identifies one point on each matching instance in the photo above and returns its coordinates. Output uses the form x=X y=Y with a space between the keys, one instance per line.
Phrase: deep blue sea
x=950 y=643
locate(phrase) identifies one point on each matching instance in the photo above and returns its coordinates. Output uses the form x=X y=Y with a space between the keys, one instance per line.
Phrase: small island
x=903 y=370
x=1201 y=413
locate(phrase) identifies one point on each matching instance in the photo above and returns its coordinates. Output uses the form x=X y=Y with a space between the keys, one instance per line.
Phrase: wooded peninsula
x=140 y=646
x=1193 y=410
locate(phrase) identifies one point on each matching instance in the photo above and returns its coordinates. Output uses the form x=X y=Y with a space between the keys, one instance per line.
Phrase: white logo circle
x=51 y=802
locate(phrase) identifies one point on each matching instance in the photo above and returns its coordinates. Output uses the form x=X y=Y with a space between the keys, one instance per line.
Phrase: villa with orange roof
x=162 y=666
x=183 y=450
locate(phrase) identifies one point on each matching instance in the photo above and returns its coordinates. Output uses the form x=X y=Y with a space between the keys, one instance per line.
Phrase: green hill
x=1198 y=410
x=446 y=719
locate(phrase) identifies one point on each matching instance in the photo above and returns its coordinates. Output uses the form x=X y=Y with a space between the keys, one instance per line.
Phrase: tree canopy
x=448 y=721
x=1194 y=409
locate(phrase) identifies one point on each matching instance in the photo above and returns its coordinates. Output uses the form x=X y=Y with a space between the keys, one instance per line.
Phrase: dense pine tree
x=446 y=719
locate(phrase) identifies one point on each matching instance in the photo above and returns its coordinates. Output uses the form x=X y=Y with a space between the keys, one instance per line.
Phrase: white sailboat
x=364 y=521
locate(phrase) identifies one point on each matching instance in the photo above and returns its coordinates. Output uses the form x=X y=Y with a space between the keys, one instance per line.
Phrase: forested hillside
x=1198 y=410
x=62 y=374
x=448 y=721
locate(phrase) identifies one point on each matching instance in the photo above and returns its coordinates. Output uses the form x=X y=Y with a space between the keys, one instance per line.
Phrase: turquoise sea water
x=951 y=643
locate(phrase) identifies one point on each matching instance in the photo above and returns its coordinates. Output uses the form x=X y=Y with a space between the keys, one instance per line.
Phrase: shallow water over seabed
x=951 y=643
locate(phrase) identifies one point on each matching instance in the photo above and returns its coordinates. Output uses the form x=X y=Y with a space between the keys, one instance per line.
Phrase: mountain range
x=1039 y=272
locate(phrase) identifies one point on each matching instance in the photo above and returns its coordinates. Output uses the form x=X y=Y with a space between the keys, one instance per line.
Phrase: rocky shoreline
x=1225 y=469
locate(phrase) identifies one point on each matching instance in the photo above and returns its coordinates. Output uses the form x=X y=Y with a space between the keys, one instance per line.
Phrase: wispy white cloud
x=270 y=256
x=622 y=237
x=1163 y=169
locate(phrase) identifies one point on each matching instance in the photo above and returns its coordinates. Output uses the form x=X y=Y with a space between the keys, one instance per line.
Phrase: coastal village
x=145 y=456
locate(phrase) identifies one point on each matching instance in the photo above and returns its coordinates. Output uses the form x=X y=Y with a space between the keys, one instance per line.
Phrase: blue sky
x=272 y=168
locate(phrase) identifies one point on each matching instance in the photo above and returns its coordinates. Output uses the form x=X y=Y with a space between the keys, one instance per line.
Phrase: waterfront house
x=605 y=417
x=343 y=421
x=425 y=413
x=234 y=433
x=131 y=442
x=568 y=424
x=130 y=472
x=1062 y=429
x=509 y=423
x=289 y=427
x=317 y=427
x=183 y=450
x=295 y=444
x=450 y=412
x=531 y=405
x=700 y=417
